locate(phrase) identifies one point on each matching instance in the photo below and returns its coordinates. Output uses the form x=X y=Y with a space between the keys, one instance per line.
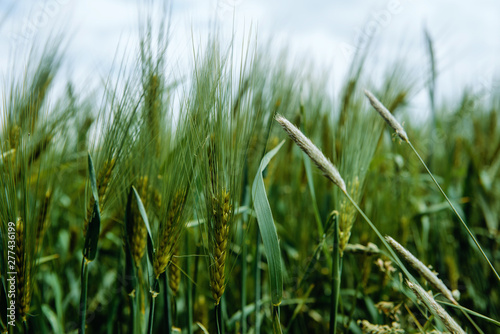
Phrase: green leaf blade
x=268 y=229
x=92 y=236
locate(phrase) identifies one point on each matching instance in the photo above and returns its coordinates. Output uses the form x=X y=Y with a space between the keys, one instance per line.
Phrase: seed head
x=328 y=169
x=422 y=269
x=168 y=233
x=174 y=272
x=23 y=270
x=221 y=216
x=435 y=308
x=387 y=116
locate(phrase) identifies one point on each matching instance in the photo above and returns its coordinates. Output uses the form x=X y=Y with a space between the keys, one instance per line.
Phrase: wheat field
x=244 y=197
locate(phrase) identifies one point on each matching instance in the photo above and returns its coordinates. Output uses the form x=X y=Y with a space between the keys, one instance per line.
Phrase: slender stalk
x=243 y=259
x=83 y=296
x=133 y=304
x=257 y=284
x=218 y=318
x=154 y=293
x=454 y=210
x=276 y=320
x=394 y=256
x=151 y=314
x=189 y=295
x=167 y=306
x=336 y=277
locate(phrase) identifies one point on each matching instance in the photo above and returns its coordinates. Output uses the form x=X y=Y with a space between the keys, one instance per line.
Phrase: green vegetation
x=178 y=203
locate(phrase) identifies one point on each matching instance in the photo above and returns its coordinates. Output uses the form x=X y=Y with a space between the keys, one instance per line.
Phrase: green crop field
x=242 y=196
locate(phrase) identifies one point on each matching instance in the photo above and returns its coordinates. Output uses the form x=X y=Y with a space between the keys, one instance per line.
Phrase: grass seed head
x=23 y=271
x=387 y=116
x=222 y=211
x=435 y=308
x=422 y=269
x=347 y=216
x=169 y=232
x=174 y=272
x=328 y=169
x=370 y=328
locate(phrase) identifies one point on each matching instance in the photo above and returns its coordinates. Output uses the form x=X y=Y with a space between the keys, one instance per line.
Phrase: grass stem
x=257 y=283
x=83 y=296
x=454 y=210
x=167 y=307
x=336 y=278
x=151 y=314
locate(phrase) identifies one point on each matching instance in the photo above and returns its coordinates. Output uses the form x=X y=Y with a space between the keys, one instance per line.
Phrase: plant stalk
x=454 y=210
x=83 y=296
x=336 y=277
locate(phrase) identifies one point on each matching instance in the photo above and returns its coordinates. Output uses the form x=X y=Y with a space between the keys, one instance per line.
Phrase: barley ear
x=328 y=169
x=139 y=230
x=435 y=308
x=174 y=272
x=42 y=220
x=168 y=233
x=221 y=216
x=23 y=271
x=387 y=116
x=422 y=269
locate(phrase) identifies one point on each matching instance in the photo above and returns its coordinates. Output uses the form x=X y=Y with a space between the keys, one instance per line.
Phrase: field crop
x=244 y=197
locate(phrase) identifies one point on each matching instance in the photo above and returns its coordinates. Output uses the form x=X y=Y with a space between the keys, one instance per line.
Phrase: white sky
x=466 y=34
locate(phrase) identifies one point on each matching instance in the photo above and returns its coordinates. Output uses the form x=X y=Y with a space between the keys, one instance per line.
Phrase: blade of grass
x=90 y=246
x=130 y=269
x=92 y=236
x=155 y=286
x=268 y=229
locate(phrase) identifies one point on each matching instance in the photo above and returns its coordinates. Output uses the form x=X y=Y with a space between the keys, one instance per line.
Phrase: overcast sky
x=466 y=34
